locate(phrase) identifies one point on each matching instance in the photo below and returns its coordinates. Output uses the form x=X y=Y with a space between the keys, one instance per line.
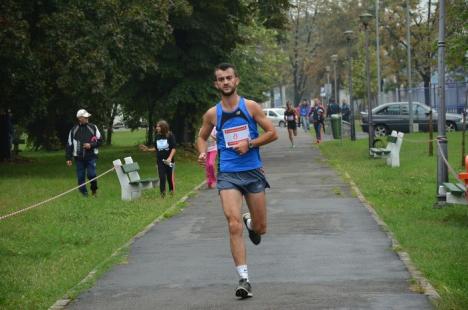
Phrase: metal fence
x=455 y=96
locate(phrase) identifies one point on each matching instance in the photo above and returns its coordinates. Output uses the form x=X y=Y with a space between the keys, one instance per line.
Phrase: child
x=164 y=146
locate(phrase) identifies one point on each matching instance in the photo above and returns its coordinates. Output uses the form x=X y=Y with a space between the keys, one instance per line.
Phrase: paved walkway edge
x=62 y=303
x=417 y=275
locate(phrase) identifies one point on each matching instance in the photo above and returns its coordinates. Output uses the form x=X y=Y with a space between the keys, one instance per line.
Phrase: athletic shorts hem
x=247 y=182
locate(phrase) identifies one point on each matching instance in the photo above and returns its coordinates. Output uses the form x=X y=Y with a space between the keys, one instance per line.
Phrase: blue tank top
x=232 y=126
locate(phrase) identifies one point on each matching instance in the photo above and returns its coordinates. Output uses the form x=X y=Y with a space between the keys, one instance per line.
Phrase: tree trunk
x=5 y=139
x=149 y=130
x=110 y=123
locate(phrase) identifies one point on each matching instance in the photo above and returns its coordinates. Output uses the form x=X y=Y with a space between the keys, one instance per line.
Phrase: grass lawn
x=46 y=251
x=436 y=239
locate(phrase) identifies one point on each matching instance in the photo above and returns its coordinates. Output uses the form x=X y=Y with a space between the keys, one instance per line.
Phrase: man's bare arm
x=269 y=134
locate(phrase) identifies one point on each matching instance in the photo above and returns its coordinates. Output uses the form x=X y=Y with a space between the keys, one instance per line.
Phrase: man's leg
x=290 y=136
x=91 y=172
x=256 y=203
x=231 y=200
x=81 y=175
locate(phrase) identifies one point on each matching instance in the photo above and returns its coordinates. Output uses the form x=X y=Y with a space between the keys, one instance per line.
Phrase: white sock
x=249 y=224
x=242 y=271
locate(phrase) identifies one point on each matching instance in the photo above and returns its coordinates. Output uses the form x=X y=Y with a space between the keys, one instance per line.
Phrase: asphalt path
x=322 y=250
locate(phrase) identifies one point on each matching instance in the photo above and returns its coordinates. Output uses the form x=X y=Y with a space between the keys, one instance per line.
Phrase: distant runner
x=291 y=118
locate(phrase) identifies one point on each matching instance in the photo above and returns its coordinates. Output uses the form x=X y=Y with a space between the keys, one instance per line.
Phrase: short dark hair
x=223 y=67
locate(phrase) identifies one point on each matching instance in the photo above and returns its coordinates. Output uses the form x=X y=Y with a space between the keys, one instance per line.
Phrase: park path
x=322 y=250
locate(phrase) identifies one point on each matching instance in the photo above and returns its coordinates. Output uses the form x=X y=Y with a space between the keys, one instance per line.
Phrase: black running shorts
x=250 y=181
x=292 y=125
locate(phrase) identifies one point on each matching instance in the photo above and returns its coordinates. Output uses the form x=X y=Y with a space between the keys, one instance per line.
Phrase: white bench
x=130 y=182
x=392 y=151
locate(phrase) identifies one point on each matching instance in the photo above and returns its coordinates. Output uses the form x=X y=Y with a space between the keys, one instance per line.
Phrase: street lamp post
x=365 y=19
x=442 y=173
x=408 y=70
x=464 y=118
x=377 y=43
x=349 y=36
x=334 y=59
x=327 y=70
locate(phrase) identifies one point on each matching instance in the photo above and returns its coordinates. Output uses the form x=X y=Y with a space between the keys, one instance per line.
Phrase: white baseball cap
x=82 y=113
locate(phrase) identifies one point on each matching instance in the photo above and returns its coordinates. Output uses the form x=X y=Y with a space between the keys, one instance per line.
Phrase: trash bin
x=336 y=126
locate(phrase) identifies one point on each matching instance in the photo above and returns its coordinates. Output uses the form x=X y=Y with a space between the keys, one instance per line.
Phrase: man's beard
x=229 y=93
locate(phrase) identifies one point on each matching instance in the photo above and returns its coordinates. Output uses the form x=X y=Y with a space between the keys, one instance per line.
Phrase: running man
x=290 y=117
x=240 y=167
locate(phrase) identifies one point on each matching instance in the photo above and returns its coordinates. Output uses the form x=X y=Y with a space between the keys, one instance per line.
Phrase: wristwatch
x=250 y=145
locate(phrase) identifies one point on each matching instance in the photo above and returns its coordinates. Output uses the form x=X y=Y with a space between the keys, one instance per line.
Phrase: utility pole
x=335 y=60
x=365 y=19
x=377 y=39
x=349 y=35
x=442 y=174
x=408 y=51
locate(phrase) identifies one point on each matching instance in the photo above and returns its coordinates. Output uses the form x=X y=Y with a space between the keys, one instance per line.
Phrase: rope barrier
x=452 y=171
x=419 y=141
x=3 y=217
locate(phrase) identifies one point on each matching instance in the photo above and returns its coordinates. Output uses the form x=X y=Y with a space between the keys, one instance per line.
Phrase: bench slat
x=379 y=150
x=454 y=189
x=143 y=181
x=127 y=168
x=461 y=186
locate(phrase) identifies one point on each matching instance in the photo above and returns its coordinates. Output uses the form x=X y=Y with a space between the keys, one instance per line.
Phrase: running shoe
x=244 y=290
x=254 y=237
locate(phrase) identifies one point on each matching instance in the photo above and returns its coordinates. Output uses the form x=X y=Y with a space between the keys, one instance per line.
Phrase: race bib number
x=290 y=117
x=234 y=135
x=162 y=144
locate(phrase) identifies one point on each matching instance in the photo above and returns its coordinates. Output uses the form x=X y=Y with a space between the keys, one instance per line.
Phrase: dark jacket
x=79 y=135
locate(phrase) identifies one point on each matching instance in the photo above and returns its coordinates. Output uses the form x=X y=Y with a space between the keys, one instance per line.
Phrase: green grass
x=436 y=239
x=46 y=251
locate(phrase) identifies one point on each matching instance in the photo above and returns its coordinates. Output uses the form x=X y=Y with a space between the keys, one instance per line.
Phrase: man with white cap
x=82 y=145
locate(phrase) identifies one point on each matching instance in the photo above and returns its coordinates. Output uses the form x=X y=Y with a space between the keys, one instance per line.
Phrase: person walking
x=318 y=119
x=240 y=172
x=165 y=148
x=82 y=146
x=290 y=117
x=333 y=108
x=211 y=153
x=304 y=110
x=345 y=110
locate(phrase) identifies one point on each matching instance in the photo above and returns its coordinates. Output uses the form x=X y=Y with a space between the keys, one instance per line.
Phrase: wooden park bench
x=456 y=193
x=130 y=182
x=392 y=152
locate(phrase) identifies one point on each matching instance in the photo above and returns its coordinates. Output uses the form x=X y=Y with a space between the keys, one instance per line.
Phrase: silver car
x=395 y=116
x=276 y=115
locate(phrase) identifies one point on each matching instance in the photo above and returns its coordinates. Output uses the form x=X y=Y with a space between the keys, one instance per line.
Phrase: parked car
x=395 y=116
x=276 y=115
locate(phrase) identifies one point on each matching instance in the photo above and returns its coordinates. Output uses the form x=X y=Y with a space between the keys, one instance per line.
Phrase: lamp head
x=348 y=34
x=334 y=58
x=327 y=69
x=365 y=18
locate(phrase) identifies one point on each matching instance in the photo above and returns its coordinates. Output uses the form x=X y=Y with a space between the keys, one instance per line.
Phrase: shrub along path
x=322 y=250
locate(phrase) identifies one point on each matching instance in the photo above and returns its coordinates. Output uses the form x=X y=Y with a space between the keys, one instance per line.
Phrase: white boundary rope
x=3 y=217
x=452 y=171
